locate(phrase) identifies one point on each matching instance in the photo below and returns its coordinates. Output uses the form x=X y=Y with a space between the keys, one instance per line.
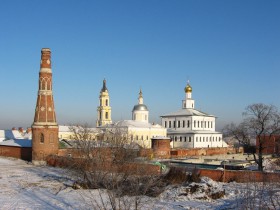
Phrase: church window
x=42 y=138
x=200 y=139
x=180 y=138
x=106 y=102
x=208 y=124
x=194 y=124
x=174 y=124
x=185 y=138
x=190 y=139
x=205 y=124
x=207 y=139
x=100 y=102
x=211 y=124
x=198 y=124
x=165 y=124
x=188 y=123
x=169 y=124
x=100 y=116
x=179 y=124
x=183 y=123
x=196 y=139
x=219 y=138
x=203 y=139
x=106 y=115
x=175 y=138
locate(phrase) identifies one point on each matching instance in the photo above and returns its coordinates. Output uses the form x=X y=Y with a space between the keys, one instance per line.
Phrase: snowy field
x=24 y=186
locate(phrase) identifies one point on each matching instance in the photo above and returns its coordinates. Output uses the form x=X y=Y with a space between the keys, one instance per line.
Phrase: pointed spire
x=104 y=88
x=140 y=97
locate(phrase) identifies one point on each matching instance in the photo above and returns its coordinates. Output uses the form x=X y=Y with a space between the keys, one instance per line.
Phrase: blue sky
x=229 y=50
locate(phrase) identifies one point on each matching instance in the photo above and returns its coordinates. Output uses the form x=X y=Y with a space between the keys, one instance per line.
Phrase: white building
x=138 y=130
x=190 y=128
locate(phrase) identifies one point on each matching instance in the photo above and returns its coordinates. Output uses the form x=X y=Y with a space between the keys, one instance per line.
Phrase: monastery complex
x=185 y=128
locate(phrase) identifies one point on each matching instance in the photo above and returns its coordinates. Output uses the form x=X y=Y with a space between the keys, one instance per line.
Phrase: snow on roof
x=65 y=128
x=171 y=131
x=132 y=123
x=17 y=143
x=161 y=138
x=188 y=112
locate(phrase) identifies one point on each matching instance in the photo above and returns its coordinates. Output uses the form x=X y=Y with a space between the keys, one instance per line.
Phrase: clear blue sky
x=229 y=50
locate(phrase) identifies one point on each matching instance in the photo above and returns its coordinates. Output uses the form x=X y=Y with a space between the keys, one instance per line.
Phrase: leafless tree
x=108 y=165
x=261 y=122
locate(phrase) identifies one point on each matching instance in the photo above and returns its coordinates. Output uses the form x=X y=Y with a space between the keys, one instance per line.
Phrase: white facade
x=190 y=128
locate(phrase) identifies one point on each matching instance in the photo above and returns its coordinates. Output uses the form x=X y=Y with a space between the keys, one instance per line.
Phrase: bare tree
x=261 y=122
x=108 y=165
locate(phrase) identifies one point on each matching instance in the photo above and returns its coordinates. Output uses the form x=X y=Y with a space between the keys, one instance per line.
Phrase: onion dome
x=188 y=89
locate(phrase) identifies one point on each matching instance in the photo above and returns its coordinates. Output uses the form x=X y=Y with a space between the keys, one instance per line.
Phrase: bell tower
x=188 y=103
x=104 y=109
x=44 y=127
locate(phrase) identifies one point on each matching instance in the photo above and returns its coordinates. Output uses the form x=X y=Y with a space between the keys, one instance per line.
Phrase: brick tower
x=44 y=128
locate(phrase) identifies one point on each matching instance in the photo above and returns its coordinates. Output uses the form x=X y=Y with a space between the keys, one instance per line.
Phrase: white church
x=190 y=128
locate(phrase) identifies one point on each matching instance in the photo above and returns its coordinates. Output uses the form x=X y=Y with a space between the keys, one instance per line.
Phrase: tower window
x=190 y=139
x=106 y=115
x=42 y=138
x=174 y=124
x=198 y=124
x=180 y=138
x=169 y=124
x=188 y=123
x=100 y=101
x=107 y=102
x=185 y=138
x=183 y=123
x=179 y=124
x=165 y=124
x=194 y=124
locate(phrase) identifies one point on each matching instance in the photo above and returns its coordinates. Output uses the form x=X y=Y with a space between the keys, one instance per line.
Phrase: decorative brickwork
x=44 y=128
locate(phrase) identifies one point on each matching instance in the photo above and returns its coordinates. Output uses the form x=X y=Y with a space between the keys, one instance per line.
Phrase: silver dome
x=140 y=107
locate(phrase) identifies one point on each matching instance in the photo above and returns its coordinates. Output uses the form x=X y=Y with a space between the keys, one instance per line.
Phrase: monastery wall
x=175 y=153
x=24 y=153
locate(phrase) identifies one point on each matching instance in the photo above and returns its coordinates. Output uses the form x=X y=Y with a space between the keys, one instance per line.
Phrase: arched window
x=106 y=115
x=42 y=138
x=107 y=104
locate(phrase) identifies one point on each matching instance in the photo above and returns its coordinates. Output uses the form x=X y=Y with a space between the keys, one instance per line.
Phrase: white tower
x=104 y=109
x=188 y=103
x=140 y=111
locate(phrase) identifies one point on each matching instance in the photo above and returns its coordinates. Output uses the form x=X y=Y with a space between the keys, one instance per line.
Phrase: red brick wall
x=239 y=176
x=270 y=144
x=129 y=168
x=204 y=151
x=24 y=153
x=161 y=148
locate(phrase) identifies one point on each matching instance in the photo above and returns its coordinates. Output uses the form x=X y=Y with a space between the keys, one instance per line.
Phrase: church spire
x=140 y=97
x=104 y=88
x=104 y=109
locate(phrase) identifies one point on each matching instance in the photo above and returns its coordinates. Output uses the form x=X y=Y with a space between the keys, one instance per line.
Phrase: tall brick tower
x=44 y=128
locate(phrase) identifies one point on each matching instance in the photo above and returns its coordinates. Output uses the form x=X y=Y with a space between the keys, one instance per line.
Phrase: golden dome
x=188 y=89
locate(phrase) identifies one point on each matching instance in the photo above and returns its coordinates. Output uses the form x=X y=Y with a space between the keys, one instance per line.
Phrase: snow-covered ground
x=24 y=186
